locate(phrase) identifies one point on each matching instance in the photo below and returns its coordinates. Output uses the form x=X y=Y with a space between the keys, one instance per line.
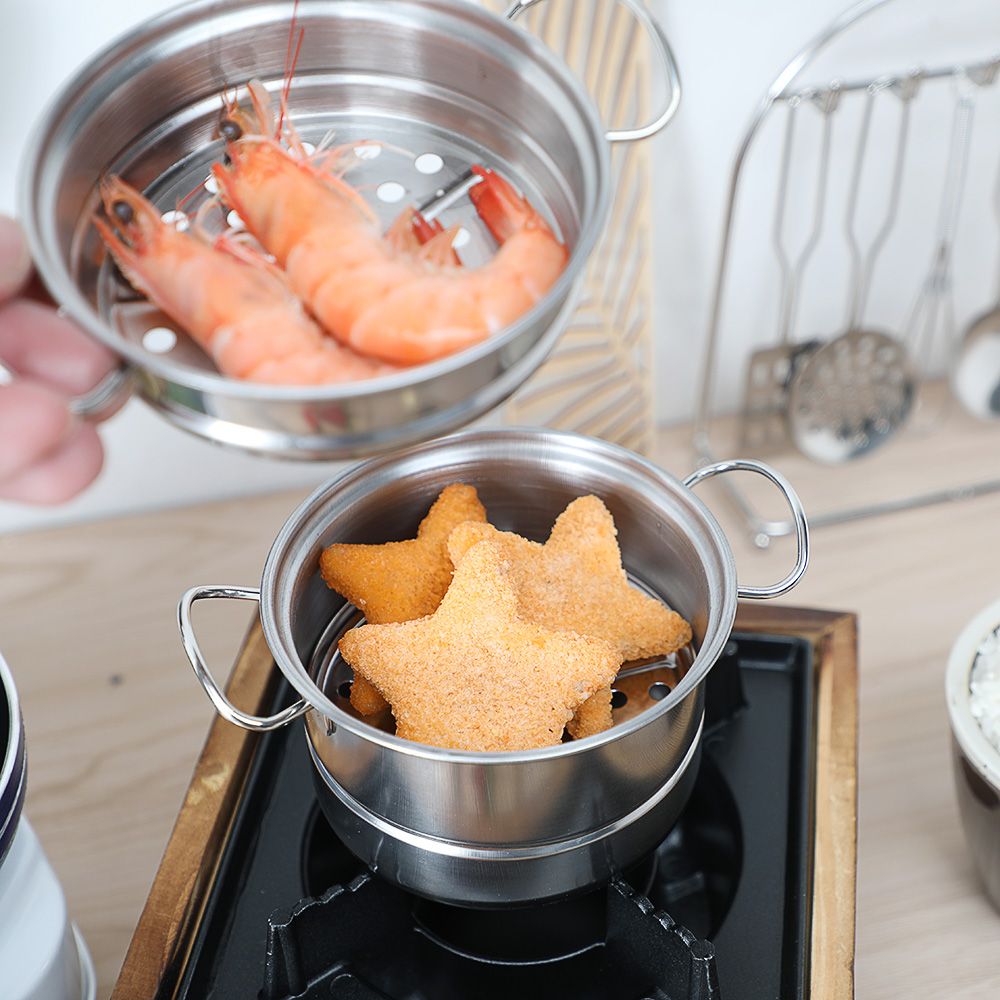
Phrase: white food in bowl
x=984 y=688
x=972 y=686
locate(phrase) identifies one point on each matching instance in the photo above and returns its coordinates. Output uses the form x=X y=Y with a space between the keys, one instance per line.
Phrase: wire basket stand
x=897 y=379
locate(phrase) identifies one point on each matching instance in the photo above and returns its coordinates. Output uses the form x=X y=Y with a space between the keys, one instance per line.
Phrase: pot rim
x=57 y=279
x=296 y=672
x=968 y=735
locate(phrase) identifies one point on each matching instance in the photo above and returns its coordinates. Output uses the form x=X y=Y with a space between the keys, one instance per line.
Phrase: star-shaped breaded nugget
x=475 y=675
x=400 y=581
x=576 y=581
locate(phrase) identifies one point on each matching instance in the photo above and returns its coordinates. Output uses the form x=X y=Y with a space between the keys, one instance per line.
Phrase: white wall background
x=728 y=52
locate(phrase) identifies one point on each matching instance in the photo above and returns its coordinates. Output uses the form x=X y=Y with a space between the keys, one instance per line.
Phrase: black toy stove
x=720 y=910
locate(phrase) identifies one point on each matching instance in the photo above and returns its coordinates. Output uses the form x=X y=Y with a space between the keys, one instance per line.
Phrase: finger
x=15 y=260
x=37 y=342
x=63 y=474
x=34 y=423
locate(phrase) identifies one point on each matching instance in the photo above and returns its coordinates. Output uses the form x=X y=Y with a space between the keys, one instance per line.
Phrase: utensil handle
x=798 y=514
x=666 y=55
x=225 y=708
x=110 y=393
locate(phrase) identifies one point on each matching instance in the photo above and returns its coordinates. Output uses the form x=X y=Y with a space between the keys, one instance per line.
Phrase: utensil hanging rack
x=928 y=319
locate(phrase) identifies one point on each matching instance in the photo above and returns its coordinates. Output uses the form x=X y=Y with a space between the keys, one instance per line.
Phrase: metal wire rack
x=853 y=170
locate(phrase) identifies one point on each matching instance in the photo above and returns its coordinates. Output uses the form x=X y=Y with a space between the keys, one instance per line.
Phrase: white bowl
x=976 y=761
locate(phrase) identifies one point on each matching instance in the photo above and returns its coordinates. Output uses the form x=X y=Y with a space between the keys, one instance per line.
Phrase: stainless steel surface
x=548 y=804
x=222 y=704
x=113 y=390
x=664 y=54
x=106 y=396
x=488 y=875
x=975 y=379
x=788 y=90
x=419 y=76
x=851 y=396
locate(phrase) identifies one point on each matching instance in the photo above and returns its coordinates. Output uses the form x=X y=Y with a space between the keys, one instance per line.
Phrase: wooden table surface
x=115 y=718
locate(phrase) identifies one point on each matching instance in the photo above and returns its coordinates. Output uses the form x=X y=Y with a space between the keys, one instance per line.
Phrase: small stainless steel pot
x=487 y=829
x=427 y=76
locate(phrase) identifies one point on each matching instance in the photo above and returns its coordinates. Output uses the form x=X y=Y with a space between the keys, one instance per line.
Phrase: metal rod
x=905 y=90
x=938 y=73
x=827 y=104
x=780 y=203
x=763 y=530
x=935 y=293
x=447 y=196
x=851 y=209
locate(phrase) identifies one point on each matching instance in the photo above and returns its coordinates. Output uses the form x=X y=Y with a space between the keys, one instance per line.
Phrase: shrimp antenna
x=292 y=52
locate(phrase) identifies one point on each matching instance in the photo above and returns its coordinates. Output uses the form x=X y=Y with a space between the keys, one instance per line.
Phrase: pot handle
x=663 y=50
x=103 y=399
x=225 y=708
x=799 y=515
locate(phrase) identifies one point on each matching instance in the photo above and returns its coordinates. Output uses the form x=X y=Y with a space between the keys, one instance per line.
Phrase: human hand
x=47 y=455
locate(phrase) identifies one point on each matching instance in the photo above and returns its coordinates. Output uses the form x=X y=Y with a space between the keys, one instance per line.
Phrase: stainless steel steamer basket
x=425 y=76
x=488 y=829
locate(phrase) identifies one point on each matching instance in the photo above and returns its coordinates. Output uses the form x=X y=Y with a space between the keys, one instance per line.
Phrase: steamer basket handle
x=799 y=515
x=107 y=397
x=103 y=400
x=663 y=50
x=225 y=708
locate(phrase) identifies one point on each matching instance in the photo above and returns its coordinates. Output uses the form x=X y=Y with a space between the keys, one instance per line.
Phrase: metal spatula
x=771 y=371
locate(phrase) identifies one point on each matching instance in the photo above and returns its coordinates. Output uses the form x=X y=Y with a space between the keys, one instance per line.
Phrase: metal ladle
x=858 y=390
x=975 y=377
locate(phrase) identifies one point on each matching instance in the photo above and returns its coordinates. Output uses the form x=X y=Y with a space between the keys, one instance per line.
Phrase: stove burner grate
x=734 y=876
x=360 y=942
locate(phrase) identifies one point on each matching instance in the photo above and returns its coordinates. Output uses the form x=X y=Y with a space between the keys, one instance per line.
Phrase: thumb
x=15 y=261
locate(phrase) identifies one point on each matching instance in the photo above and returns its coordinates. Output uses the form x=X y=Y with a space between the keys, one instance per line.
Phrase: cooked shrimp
x=241 y=312
x=377 y=294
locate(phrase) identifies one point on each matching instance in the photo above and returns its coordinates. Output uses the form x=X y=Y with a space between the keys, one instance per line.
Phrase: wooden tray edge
x=155 y=961
x=834 y=637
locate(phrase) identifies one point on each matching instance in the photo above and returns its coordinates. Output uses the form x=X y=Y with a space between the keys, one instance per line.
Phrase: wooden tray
x=160 y=947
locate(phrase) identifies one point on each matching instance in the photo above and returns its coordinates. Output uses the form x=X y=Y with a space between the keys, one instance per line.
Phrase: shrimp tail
x=439 y=249
x=426 y=229
x=504 y=211
x=424 y=238
x=437 y=242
